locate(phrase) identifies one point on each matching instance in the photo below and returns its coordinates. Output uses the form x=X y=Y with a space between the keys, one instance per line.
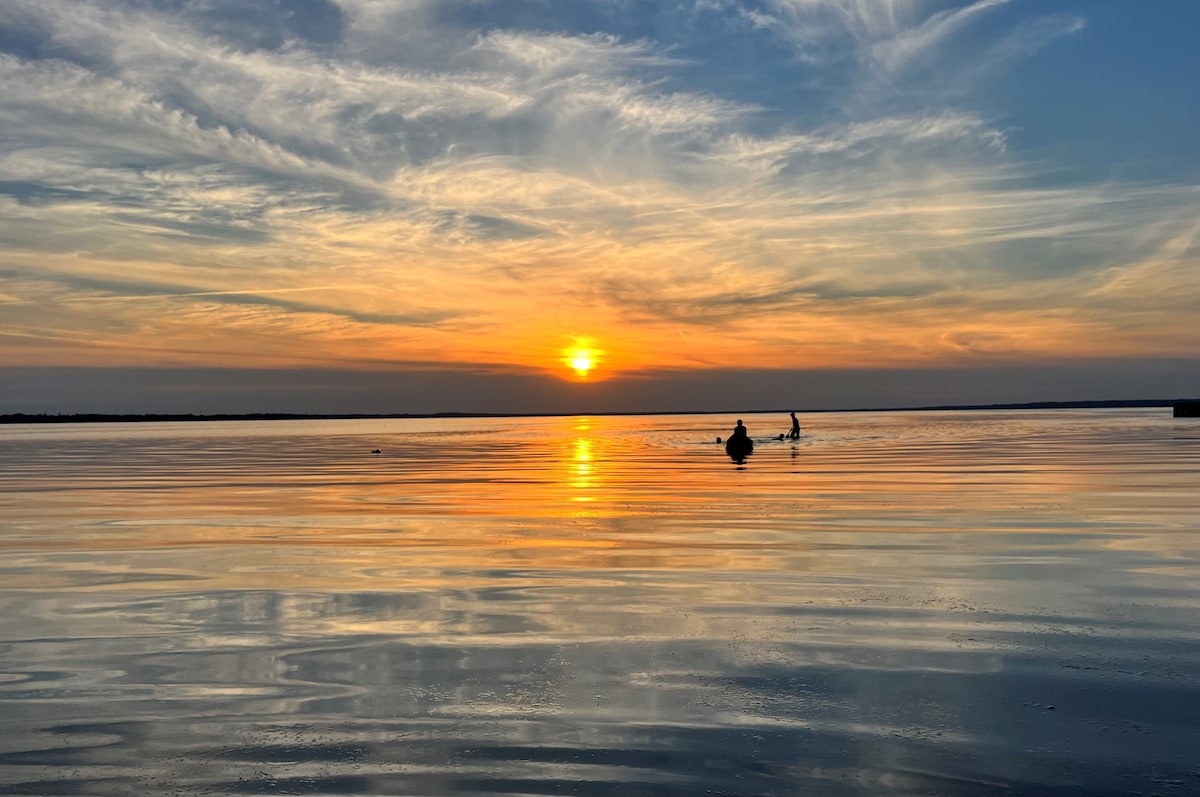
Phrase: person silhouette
x=739 y=445
x=795 y=433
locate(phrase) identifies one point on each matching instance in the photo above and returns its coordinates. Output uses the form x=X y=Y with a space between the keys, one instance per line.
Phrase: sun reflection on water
x=582 y=480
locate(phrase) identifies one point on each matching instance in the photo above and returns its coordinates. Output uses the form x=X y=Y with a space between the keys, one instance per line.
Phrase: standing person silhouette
x=739 y=431
x=795 y=433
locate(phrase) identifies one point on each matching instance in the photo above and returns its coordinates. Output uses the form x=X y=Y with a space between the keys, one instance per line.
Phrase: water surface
x=967 y=603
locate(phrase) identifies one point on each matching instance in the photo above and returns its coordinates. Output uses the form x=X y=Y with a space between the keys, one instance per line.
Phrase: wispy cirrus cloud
x=397 y=178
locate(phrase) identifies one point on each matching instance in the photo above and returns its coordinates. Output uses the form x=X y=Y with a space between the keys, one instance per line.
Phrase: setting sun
x=582 y=363
x=581 y=358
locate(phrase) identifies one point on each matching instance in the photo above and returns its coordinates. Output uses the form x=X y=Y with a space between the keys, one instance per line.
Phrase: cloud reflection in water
x=245 y=610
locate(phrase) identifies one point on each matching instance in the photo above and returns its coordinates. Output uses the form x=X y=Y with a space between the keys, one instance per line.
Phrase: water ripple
x=973 y=603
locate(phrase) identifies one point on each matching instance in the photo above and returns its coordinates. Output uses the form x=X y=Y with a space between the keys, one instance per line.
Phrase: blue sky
x=734 y=199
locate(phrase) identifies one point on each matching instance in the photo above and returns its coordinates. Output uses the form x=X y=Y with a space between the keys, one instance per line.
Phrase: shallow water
x=966 y=603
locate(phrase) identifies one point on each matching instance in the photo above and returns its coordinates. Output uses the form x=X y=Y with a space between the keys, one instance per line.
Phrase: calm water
x=964 y=603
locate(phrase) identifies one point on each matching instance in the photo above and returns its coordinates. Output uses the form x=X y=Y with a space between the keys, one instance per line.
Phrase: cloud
x=1025 y=39
x=888 y=33
x=385 y=181
x=895 y=47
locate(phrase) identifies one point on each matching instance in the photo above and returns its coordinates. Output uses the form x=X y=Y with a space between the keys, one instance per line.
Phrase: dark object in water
x=739 y=446
x=1187 y=409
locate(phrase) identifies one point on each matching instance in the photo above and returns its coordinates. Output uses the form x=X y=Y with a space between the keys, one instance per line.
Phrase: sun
x=582 y=358
x=582 y=363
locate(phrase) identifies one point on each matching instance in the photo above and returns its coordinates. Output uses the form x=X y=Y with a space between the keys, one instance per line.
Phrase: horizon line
x=116 y=417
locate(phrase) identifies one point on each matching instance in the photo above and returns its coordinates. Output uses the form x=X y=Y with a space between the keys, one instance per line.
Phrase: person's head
x=739 y=423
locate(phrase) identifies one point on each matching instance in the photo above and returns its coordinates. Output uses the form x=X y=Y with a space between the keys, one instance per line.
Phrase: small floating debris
x=376 y=451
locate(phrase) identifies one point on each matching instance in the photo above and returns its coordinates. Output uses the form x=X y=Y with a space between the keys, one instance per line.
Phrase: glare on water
x=914 y=602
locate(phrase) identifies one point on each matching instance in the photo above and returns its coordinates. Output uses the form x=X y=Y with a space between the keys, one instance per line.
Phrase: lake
x=952 y=603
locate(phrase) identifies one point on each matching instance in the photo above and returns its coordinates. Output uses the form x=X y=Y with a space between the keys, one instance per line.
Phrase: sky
x=612 y=205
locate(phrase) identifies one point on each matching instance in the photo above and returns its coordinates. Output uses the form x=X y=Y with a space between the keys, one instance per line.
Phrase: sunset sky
x=559 y=205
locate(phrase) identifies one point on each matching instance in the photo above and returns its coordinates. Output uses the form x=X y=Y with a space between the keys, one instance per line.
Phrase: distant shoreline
x=96 y=417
